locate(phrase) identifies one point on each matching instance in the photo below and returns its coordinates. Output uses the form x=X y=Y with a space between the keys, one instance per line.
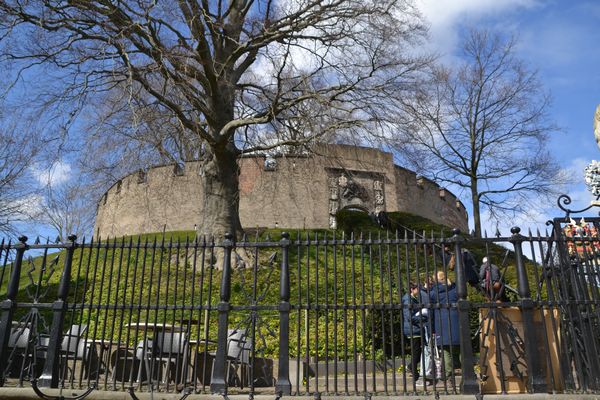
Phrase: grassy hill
x=174 y=279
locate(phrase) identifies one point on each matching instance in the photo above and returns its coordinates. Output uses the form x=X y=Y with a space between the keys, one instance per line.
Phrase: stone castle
x=291 y=191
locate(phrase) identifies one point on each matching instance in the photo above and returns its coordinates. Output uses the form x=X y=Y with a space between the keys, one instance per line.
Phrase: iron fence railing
x=306 y=314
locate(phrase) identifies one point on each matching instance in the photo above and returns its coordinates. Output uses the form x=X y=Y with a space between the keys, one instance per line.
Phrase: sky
x=561 y=40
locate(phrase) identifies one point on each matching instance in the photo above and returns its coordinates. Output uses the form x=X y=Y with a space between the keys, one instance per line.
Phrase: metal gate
x=304 y=314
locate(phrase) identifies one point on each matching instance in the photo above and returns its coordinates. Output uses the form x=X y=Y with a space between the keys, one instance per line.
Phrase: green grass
x=113 y=284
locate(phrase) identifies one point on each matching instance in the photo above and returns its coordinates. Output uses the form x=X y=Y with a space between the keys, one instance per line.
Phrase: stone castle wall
x=294 y=192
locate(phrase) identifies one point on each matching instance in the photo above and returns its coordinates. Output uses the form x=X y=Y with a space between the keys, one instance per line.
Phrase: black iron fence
x=304 y=314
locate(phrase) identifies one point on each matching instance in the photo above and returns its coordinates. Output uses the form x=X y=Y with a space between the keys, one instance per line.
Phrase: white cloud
x=58 y=173
x=581 y=199
x=577 y=166
x=31 y=205
x=25 y=208
x=579 y=194
x=447 y=16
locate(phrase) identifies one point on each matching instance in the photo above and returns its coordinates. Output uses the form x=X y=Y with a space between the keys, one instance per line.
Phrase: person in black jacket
x=491 y=281
x=469 y=263
x=414 y=322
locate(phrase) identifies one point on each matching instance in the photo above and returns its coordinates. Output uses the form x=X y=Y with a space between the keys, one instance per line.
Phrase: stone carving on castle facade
x=333 y=193
x=333 y=207
x=357 y=190
x=270 y=163
x=379 y=198
x=332 y=222
x=334 y=184
x=353 y=190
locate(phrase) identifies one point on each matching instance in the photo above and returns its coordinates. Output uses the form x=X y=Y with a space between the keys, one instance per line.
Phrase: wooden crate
x=548 y=343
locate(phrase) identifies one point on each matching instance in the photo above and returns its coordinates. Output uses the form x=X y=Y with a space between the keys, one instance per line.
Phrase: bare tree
x=483 y=127
x=21 y=145
x=66 y=207
x=230 y=77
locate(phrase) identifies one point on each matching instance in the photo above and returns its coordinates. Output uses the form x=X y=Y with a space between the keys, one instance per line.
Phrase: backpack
x=471 y=274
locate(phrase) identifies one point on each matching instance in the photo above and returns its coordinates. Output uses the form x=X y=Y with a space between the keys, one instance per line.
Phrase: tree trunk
x=220 y=185
x=476 y=209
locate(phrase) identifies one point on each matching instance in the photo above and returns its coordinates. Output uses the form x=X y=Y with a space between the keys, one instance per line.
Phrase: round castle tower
x=291 y=191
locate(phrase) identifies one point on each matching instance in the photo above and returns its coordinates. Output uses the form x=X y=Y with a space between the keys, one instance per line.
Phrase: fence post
x=7 y=307
x=537 y=379
x=50 y=374
x=220 y=374
x=283 y=385
x=469 y=383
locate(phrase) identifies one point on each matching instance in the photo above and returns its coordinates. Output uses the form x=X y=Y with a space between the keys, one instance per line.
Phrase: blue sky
x=561 y=39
